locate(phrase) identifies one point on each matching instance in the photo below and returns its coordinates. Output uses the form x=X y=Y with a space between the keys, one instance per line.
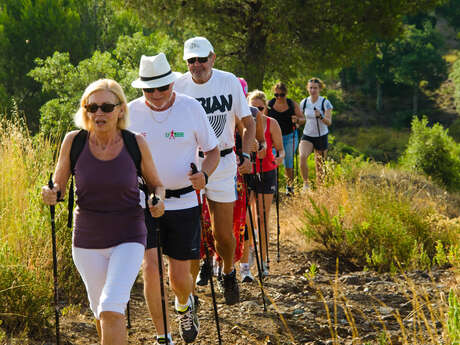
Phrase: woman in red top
x=265 y=188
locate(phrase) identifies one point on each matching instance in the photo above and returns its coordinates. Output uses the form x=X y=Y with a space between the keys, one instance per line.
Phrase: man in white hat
x=174 y=126
x=222 y=98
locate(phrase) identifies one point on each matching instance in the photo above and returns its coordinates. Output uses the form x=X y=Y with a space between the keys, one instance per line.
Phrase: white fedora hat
x=154 y=71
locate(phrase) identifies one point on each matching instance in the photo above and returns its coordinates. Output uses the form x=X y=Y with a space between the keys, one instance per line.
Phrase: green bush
x=434 y=153
x=454 y=130
x=380 y=218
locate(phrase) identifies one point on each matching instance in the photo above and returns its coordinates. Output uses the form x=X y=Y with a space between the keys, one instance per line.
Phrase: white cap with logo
x=197 y=47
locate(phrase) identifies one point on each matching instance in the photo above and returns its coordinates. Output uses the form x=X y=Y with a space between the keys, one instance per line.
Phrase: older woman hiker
x=109 y=232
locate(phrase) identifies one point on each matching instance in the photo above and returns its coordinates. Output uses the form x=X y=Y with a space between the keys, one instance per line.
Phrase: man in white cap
x=222 y=98
x=174 y=126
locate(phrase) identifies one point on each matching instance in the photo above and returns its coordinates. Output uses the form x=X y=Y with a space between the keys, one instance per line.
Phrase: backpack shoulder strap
x=304 y=104
x=322 y=105
x=129 y=138
x=291 y=105
x=78 y=144
x=271 y=102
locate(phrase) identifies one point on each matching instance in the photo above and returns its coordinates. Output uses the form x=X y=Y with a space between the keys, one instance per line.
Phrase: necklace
x=155 y=112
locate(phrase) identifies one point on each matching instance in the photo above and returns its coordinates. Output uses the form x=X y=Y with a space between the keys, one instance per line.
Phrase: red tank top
x=268 y=163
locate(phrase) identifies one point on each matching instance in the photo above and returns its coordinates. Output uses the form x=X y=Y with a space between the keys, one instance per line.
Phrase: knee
x=224 y=236
x=111 y=317
x=150 y=270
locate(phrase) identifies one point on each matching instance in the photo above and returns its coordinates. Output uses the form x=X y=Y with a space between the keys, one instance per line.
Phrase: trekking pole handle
x=154 y=199
x=51 y=186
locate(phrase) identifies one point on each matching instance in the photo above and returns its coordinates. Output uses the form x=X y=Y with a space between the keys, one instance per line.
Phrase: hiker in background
x=222 y=98
x=318 y=112
x=174 y=126
x=109 y=233
x=266 y=186
x=288 y=115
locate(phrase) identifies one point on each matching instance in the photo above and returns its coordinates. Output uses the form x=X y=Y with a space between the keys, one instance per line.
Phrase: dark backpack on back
x=79 y=141
x=305 y=105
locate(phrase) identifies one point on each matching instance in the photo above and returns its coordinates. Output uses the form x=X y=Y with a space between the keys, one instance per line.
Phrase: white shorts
x=221 y=185
x=109 y=275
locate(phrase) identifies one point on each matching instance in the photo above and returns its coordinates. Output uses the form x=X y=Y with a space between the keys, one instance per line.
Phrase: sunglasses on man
x=192 y=60
x=281 y=95
x=105 y=107
x=160 y=89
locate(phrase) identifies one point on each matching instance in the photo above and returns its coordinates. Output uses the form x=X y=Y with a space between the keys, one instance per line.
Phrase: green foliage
x=455 y=76
x=59 y=77
x=26 y=284
x=453 y=321
x=379 y=143
x=251 y=38
x=374 y=219
x=433 y=152
x=454 y=130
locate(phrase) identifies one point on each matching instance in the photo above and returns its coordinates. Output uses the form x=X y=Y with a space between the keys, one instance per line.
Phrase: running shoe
x=205 y=273
x=189 y=326
x=246 y=276
x=289 y=191
x=230 y=287
x=162 y=340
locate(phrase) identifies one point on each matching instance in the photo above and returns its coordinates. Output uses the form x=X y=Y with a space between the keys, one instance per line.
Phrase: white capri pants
x=109 y=275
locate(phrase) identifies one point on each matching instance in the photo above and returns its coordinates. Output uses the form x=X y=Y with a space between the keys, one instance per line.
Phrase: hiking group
x=188 y=170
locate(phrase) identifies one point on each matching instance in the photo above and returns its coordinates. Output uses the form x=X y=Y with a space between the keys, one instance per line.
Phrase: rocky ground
x=305 y=306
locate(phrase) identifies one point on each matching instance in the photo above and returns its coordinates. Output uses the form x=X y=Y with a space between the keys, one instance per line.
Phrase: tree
x=254 y=38
x=418 y=60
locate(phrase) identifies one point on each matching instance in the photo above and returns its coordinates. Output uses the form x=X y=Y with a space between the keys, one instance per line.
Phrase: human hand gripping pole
x=53 y=239
x=213 y=294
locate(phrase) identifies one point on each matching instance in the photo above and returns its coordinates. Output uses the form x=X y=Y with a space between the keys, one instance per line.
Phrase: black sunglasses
x=280 y=95
x=314 y=80
x=261 y=108
x=105 y=107
x=152 y=89
x=192 y=60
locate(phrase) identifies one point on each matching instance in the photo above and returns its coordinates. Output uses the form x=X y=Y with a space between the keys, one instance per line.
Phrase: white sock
x=181 y=307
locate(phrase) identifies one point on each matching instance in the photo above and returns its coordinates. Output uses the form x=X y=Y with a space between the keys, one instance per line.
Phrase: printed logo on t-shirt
x=173 y=135
x=212 y=104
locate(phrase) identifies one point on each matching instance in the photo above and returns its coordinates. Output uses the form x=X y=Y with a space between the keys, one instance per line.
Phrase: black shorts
x=319 y=143
x=267 y=184
x=180 y=233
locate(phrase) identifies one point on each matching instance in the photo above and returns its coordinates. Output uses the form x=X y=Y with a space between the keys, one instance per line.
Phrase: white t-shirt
x=222 y=99
x=173 y=137
x=312 y=124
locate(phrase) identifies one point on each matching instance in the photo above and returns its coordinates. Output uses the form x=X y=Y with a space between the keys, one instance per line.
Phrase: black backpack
x=305 y=105
x=79 y=141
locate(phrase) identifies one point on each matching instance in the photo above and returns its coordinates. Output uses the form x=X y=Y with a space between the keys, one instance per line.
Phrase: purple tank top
x=108 y=211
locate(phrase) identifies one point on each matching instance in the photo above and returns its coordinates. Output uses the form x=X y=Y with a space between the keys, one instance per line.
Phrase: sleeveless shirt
x=268 y=163
x=284 y=117
x=108 y=211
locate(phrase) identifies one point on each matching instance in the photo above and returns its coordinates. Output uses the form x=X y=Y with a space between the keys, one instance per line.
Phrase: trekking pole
x=293 y=149
x=213 y=294
x=317 y=124
x=259 y=269
x=128 y=315
x=257 y=209
x=53 y=240
x=265 y=218
x=277 y=217
x=160 y=272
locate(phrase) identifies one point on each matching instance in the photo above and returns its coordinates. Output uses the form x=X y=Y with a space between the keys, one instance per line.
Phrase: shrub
x=380 y=218
x=26 y=280
x=433 y=152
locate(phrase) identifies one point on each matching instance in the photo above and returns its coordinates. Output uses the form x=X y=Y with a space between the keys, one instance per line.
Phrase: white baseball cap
x=154 y=71
x=197 y=47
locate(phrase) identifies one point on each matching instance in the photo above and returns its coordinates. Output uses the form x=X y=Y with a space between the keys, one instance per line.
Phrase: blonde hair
x=257 y=94
x=81 y=118
x=318 y=81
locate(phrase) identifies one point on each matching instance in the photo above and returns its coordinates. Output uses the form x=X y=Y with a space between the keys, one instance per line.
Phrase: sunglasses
x=314 y=80
x=192 y=60
x=105 y=107
x=261 y=108
x=280 y=95
x=160 y=89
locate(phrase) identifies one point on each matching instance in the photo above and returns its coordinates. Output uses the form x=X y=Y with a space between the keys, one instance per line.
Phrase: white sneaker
x=245 y=273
